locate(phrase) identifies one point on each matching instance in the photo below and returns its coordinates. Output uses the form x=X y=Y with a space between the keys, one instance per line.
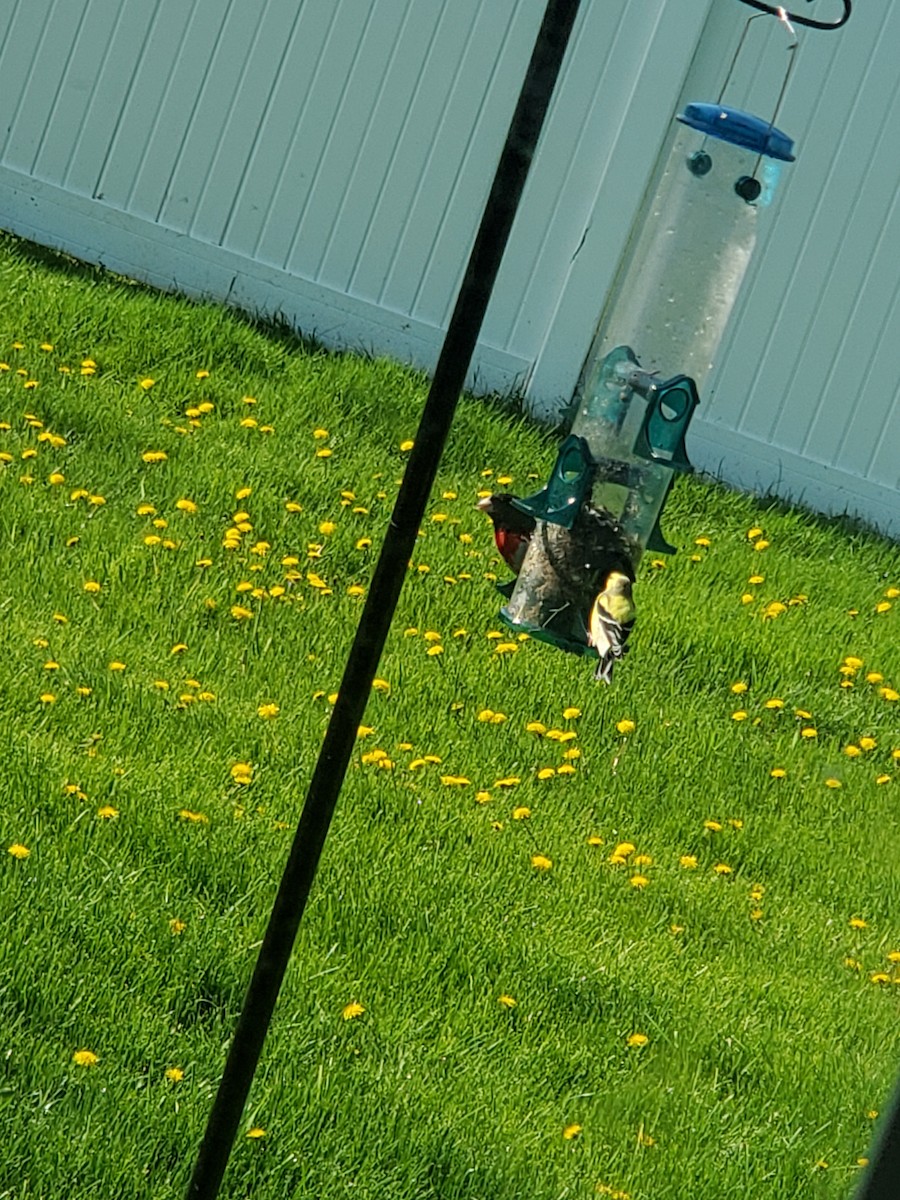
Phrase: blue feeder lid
x=739 y=128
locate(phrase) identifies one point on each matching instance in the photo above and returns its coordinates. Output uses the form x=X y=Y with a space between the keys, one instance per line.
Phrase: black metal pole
x=881 y=1180
x=397 y=549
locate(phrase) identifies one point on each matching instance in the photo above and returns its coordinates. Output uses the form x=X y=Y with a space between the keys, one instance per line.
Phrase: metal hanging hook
x=809 y=22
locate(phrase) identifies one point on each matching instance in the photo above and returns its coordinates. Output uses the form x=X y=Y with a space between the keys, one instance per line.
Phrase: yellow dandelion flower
x=47 y=698
x=594 y=839
x=256 y=1132
x=240 y=613
x=17 y=850
x=541 y=862
x=570 y=714
x=434 y=651
x=852 y=751
x=858 y=923
x=638 y=881
x=867 y=743
x=154 y=456
x=352 y=1010
x=831 y=782
x=739 y=688
x=889 y=694
x=636 y=1040
x=482 y=797
x=177 y=926
x=624 y=849
x=625 y=726
x=688 y=861
x=115 y=665
x=521 y=813
x=267 y=711
x=778 y=773
x=809 y=732
x=506 y=1001
x=242 y=772
x=722 y=869
x=761 y=545
x=85 y=1058
x=882 y=779
x=323 y=452
x=174 y=1074
x=508 y=781
x=546 y=773
x=407 y=444
x=571 y=1131
x=774 y=702
x=740 y=715
x=107 y=812
x=757 y=579
x=92 y=586
x=536 y=727
x=193 y=818
x=455 y=781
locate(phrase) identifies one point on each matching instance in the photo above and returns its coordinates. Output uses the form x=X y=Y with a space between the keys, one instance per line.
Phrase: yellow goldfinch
x=612 y=620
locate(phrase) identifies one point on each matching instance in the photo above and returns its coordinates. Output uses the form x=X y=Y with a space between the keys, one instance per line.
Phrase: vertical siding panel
x=49 y=39
x=405 y=177
x=352 y=120
x=313 y=133
x=351 y=255
x=250 y=114
x=74 y=95
x=214 y=107
x=191 y=57
x=784 y=290
x=591 y=103
x=844 y=340
x=457 y=83
x=274 y=156
x=140 y=81
x=818 y=270
x=479 y=109
x=866 y=377
x=114 y=78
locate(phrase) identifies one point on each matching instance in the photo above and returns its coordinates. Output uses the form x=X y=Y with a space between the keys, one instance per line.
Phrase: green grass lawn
x=566 y=940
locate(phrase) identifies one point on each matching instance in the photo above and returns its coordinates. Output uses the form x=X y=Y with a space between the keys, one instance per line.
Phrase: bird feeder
x=654 y=348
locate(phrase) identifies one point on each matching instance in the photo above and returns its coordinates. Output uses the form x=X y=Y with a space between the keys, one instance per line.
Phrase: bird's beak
x=484 y=503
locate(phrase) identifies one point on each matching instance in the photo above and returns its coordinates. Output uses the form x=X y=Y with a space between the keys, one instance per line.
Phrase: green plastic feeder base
x=552 y=639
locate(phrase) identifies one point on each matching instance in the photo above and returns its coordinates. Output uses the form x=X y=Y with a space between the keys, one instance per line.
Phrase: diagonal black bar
x=882 y=1177
x=397 y=549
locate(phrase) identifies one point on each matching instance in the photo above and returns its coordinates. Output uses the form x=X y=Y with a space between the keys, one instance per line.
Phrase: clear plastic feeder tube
x=668 y=308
